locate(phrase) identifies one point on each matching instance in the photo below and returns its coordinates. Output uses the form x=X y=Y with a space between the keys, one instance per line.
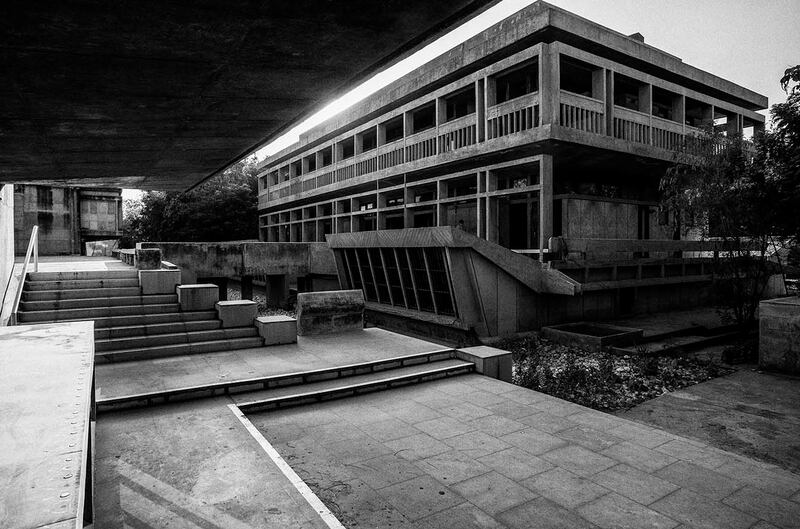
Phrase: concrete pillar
x=549 y=84
x=247 y=287
x=277 y=290
x=545 y=203
x=609 y=102
x=480 y=107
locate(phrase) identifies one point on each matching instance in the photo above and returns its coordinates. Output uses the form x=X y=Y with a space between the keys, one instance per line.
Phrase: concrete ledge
x=159 y=281
x=329 y=311
x=202 y=296
x=277 y=329
x=238 y=313
x=779 y=335
x=147 y=258
x=489 y=361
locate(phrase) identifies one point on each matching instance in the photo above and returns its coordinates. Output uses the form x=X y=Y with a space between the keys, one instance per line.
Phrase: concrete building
x=68 y=217
x=545 y=128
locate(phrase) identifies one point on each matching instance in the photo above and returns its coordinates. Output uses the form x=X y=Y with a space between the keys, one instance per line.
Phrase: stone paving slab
x=310 y=352
x=187 y=466
x=750 y=413
x=514 y=458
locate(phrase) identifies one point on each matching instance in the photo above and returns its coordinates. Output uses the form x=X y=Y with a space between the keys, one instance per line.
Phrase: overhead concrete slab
x=162 y=95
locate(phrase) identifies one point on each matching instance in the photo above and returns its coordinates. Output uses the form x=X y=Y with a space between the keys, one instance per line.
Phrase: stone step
x=83 y=275
x=124 y=355
x=155 y=340
x=144 y=319
x=287 y=380
x=152 y=329
x=80 y=284
x=79 y=293
x=350 y=386
x=50 y=316
x=90 y=303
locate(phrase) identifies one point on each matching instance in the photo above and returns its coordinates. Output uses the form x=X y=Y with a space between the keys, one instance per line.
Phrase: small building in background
x=84 y=221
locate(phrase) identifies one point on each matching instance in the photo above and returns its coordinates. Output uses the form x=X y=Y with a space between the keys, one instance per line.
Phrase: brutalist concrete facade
x=67 y=217
x=544 y=125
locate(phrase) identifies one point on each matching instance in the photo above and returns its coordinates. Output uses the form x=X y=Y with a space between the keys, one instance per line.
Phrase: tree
x=222 y=209
x=744 y=194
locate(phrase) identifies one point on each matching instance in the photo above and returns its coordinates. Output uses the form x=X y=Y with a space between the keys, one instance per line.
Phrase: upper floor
x=542 y=75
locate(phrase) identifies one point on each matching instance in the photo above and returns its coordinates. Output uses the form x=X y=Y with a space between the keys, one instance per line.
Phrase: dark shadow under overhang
x=162 y=95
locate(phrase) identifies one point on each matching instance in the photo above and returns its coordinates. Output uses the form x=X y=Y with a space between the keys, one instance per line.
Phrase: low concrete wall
x=330 y=312
x=779 y=335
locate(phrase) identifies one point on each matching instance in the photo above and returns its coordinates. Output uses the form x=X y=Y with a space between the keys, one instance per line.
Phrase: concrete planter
x=239 y=313
x=593 y=336
x=330 y=312
x=198 y=297
x=159 y=281
x=779 y=335
x=277 y=330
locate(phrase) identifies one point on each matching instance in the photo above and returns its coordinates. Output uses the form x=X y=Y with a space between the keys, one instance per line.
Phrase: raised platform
x=48 y=414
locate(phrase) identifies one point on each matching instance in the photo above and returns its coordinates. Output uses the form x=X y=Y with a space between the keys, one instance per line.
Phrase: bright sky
x=749 y=43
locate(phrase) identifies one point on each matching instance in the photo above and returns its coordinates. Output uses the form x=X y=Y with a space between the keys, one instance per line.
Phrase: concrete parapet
x=779 y=335
x=489 y=361
x=239 y=313
x=147 y=258
x=159 y=281
x=277 y=329
x=198 y=297
x=329 y=311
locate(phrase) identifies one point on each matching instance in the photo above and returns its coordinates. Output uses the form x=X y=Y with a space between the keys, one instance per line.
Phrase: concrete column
x=734 y=126
x=679 y=111
x=222 y=284
x=247 y=287
x=609 y=102
x=480 y=109
x=549 y=84
x=277 y=291
x=545 y=203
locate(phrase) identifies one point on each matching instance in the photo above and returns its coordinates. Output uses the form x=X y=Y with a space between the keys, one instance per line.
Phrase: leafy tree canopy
x=224 y=208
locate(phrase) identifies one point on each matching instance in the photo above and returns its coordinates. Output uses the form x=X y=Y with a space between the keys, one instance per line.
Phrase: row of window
x=410 y=278
x=510 y=84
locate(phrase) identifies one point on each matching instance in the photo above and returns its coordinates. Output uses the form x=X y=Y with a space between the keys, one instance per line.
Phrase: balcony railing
x=581 y=113
x=513 y=116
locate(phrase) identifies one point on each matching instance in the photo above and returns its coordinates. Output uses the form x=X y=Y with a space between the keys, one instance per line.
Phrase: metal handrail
x=33 y=248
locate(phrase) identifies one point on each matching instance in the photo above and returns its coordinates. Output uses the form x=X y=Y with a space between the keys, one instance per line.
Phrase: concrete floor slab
x=310 y=352
x=538 y=476
x=190 y=465
x=748 y=412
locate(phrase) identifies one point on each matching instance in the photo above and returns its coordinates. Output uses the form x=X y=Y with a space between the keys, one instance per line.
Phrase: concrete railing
x=564 y=247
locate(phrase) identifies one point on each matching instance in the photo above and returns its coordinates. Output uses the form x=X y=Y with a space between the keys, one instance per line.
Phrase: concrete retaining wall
x=779 y=335
x=330 y=312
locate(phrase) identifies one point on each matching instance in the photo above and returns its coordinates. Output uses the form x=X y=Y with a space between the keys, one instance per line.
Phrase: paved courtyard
x=751 y=413
x=475 y=452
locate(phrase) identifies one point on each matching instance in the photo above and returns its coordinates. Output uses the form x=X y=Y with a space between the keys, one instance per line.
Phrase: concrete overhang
x=162 y=95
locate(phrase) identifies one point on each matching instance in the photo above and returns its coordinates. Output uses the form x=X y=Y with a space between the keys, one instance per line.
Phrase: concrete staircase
x=128 y=324
x=304 y=387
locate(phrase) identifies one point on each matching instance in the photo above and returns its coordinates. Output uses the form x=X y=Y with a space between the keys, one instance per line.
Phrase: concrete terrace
x=468 y=451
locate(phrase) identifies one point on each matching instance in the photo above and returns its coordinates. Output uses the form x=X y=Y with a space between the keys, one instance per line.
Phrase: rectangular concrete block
x=779 y=335
x=489 y=361
x=202 y=296
x=147 y=258
x=238 y=313
x=330 y=311
x=277 y=329
x=159 y=281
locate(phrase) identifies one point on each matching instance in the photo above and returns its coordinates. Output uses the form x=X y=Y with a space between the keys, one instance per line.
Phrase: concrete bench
x=159 y=281
x=489 y=361
x=277 y=329
x=202 y=296
x=126 y=255
x=237 y=313
x=329 y=311
x=147 y=258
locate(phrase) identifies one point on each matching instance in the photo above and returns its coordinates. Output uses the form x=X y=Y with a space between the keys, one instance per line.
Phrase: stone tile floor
x=751 y=413
x=475 y=452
